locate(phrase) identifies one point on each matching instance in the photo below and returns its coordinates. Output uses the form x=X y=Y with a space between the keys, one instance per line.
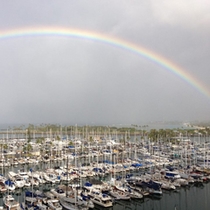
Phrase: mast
x=67 y=174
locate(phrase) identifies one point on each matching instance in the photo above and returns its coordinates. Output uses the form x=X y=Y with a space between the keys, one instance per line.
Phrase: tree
x=40 y=140
x=71 y=143
x=153 y=134
x=5 y=146
x=27 y=148
x=28 y=131
x=58 y=138
x=91 y=139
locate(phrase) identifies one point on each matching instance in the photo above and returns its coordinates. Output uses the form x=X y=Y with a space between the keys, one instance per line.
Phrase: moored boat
x=10 y=202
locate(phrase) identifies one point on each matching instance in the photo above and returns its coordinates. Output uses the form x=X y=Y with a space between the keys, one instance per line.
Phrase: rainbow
x=113 y=41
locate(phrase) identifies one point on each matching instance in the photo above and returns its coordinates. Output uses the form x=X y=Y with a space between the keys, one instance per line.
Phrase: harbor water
x=188 y=198
x=192 y=197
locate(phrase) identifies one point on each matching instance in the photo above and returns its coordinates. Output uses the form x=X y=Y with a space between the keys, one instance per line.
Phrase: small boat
x=25 y=206
x=119 y=195
x=12 y=175
x=99 y=198
x=70 y=206
x=85 y=201
x=10 y=202
x=172 y=175
x=37 y=205
x=23 y=174
x=2 y=187
x=30 y=197
x=27 y=183
x=51 y=178
x=19 y=182
x=9 y=185
x=122 y=186
x=166 y=185
x=53 y=204
x=40 y=205
x=72 y=195
x=34 y=181
x=58 y=192
x=152 y=187
x=39 y=176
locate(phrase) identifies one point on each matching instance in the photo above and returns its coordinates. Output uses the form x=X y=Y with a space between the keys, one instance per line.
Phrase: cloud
x=57 y=79
x=186 y=13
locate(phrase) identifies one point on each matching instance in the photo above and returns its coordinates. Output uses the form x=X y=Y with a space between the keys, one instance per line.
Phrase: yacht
x=119 y=195
x=9 y=185
x=71 y=206
x=19 y=182
x=51 y=178
x=58 y=192
x=10 y=202
x=53 y=204
x=23 y=174
x=99 y=198
x=2 y=187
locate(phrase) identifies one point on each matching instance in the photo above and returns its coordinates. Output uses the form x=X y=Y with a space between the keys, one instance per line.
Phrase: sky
x=71 y=80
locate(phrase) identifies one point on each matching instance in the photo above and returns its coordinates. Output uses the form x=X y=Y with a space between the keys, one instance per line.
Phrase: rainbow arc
x=113 y=41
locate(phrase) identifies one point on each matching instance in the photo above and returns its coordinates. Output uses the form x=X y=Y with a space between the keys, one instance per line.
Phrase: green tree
x=27 y=149
x=28 y=135
x=5 y=146
x=91 y=139
x=153 y=134
x=40 y=140
x=58 y=138
x=71 y=143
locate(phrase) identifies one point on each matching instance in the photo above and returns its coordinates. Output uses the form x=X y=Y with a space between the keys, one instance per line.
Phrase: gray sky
x=68 y=80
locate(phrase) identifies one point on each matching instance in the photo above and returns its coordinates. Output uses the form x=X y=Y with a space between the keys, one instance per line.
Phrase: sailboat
x=70 y=206
x=66 y=203
x=53 y=203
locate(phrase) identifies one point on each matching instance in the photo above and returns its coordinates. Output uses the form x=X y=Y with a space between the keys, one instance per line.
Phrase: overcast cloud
x=68 y=80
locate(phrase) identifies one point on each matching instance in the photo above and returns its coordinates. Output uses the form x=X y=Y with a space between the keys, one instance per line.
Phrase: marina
x=188 y=197
x=71 y=172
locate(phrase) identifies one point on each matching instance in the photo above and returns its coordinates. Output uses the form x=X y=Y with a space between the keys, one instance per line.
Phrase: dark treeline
x=85 y=131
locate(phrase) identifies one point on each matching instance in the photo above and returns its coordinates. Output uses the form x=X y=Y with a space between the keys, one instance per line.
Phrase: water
x=185 y=198
x=189 y=198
